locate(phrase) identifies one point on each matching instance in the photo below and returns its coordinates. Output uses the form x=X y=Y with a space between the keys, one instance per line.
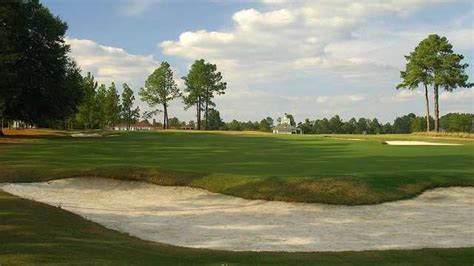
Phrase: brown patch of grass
x=33 y=132
x=337 y=190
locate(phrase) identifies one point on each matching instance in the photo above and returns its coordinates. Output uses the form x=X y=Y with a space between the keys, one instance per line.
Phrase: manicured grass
x=35 y=233
x=258 y=166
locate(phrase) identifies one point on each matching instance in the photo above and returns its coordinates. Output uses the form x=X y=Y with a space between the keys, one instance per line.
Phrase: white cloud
x=309 y=35
x=332 y=45
x=458 y=96
x=344 y=56
x=110 y=63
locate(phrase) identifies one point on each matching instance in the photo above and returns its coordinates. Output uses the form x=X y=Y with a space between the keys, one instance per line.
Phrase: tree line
x=452 y=122
x=102 y=107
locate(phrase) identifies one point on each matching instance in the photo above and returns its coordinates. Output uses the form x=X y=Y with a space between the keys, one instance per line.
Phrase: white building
x=285 y=127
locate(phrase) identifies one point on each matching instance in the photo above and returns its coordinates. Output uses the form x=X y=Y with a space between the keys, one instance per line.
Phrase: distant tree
x=441 y=67
x=375 y=127
x=349 y=127
x=234 y=125
x=306 y=126
x=266 y=124
x=417 y=73
x=87 y=110
x=322 y=126
x=457 y=122
x=160 y=88
x=112 y=106
x=175 y=123
x=418 y=124
x=202 y=83
x=335 y=124
x=39 y=83
x=362 y=126
x=387 y=128
x=128 y=114
x=100 y=107
x=402 y=125
x=215 y=122
x=214 y=86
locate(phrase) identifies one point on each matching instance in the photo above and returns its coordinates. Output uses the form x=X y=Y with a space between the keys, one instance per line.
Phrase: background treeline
x=452 y=122
x=409 y=123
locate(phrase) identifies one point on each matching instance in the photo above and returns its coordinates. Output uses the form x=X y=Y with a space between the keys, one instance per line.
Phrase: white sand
x=190 y=217
x=86 y=135
x=418 y=143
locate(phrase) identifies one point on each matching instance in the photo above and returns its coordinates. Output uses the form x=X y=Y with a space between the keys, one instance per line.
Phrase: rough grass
x=36 y=233
x=250 y=165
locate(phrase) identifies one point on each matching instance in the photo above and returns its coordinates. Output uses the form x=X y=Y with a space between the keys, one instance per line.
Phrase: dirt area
x=197 y=218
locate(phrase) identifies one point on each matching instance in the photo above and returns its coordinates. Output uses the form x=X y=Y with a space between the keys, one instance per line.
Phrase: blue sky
x=310 y=58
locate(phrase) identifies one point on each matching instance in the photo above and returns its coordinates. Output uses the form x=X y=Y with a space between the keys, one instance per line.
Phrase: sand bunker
x=417 y=143
x=86 y=135
x=190 y=217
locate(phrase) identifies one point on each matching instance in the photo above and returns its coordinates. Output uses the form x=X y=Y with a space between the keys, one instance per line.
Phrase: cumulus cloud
x=344 y=53
x=111 y=63
x=308 y=41
x=308 y=35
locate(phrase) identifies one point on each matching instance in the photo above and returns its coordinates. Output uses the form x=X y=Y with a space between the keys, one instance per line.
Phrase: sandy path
x=190 y=217
x=418 y=143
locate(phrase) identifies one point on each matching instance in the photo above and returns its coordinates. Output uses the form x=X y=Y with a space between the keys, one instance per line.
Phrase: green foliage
x=87 y=109
x=175 y=123
x=100 y=100
x=112 y=106
x=456 y=122
x=418 y=124
x=160 y=88
x=39 y=83
x=434 y=63
x=403 y=124
x=129 y=115
x=266 y=124
x=214 y=121
x=203 y=82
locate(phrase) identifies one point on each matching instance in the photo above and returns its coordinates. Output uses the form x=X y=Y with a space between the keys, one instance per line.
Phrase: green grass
x=292 y=168
x=256 y=166
x=35 y=233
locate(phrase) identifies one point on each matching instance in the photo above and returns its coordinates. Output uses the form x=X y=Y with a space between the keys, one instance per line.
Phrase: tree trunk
x=427 y=109
x=207 y=109
x=165 y=117
x=198 y=118
x=436 y=108
x=1 y=129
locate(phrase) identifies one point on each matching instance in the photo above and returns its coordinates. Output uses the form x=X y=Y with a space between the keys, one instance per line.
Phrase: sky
x=310 y=58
